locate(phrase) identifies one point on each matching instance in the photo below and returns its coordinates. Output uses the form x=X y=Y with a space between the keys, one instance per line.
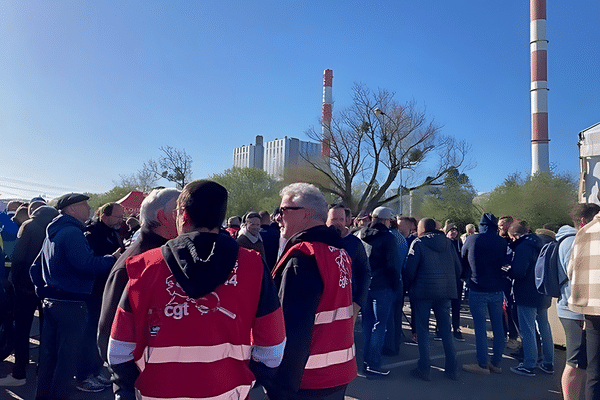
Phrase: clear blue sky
x=91 y=90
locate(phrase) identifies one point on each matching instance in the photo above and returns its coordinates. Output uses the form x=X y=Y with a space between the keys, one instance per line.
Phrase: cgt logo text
x=176 y=311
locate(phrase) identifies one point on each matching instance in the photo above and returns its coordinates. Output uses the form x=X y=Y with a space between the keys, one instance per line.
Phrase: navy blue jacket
x=486 y=252
x=66 y=267
x=522 y=269
x=384 y=257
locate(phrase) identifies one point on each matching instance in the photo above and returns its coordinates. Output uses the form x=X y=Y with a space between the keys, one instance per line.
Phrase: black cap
x=70 y=198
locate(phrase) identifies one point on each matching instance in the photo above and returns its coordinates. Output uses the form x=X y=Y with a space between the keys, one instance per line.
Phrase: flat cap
x=70 y=198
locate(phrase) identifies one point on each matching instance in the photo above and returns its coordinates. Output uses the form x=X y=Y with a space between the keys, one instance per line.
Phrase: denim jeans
x=528 y=317
x=482 y=303
x=374 y=321
x=441 y=309
x=64 y=323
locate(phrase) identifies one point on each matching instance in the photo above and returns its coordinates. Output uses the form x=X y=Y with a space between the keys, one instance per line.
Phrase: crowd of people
x=184 y=303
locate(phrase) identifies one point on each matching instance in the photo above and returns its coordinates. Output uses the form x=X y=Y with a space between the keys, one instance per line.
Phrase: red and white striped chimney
x=540 y=160
x=326 y=118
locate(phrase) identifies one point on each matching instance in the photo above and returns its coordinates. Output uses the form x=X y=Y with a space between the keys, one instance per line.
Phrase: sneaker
x=416 y=373
x=90 y=385
x=493 y=369
x=103 y=380
x=459 y=336
x=378 y=371
x=521 y=370
x=513 y=344
x=475 y=369
x=547 y=368
x=9 y=380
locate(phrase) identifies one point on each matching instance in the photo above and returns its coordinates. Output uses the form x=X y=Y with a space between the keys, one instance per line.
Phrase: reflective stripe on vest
x=327 y=359
x=198 y=354
x=240 y=392
x=326 y=317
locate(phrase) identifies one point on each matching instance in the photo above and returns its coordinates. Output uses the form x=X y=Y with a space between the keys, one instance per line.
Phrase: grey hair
x=309 y=197
x=155 y=201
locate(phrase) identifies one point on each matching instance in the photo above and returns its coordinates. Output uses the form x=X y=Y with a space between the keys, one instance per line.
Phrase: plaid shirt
x=584 y=270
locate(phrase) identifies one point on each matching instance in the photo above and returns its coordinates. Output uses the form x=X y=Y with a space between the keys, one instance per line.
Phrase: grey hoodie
x=564 y=254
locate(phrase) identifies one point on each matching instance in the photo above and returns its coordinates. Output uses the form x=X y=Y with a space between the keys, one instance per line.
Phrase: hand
x=117 y=253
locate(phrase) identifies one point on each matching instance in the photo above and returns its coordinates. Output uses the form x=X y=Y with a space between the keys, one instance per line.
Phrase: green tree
x=375 y=139
x=97 y=200
x=250 y=189
x=452 y=201
x=545 y=197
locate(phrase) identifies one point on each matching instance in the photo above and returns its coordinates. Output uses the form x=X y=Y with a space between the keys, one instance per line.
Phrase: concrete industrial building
x=276 y=156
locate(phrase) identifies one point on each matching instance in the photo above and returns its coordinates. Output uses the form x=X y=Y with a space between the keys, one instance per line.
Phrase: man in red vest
x=314 y=277
x=200 y=317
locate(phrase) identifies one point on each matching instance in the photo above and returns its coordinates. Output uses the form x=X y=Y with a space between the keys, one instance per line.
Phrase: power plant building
x=277 y=155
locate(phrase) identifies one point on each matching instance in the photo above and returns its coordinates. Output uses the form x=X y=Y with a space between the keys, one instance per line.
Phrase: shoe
x=475 y=369
x=513 y=344
x=9 y=380
x=90 y=385
x=493 y=369
x=517 y=354
x=416 y=373
x=521 y=370
x=104 y=380
x=365 y=366
x=549 y=369
x=459 y=336
x=378 y=371
x=451 y=375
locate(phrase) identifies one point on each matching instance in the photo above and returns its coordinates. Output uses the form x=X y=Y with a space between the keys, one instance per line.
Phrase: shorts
x=576 y=352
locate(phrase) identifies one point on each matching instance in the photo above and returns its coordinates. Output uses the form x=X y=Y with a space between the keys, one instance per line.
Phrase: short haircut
x=307 y=196
x=584 y=210
x=518 y=227
x=469 y=226
x=205 y=203
x=155 y=201
x=429 y=225
x=107 y=209
x=506 y=217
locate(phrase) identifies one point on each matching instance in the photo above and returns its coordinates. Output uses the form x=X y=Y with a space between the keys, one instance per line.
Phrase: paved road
x=399 y=384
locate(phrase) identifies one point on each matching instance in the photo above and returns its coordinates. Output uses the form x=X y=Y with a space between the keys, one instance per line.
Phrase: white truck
x=589 y=158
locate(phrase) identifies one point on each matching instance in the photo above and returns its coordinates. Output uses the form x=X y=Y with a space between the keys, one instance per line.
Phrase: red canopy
x=132 y=202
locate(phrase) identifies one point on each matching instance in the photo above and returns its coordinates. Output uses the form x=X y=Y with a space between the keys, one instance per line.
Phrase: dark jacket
x=432 y=268
x=486 y=252
x=383 y=256
x=300 y=288
x=522 y=269
x=66 y=267
x=361 y=269
x=29 y=243
x=115 y=285
x=270 y=237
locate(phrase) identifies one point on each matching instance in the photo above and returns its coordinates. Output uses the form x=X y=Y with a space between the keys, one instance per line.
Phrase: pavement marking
x=14 y=396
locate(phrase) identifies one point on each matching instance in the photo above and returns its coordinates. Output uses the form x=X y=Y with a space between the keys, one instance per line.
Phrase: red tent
x=132 y=202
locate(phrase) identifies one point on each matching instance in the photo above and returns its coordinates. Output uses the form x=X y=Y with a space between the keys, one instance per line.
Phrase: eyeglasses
x=283 y=209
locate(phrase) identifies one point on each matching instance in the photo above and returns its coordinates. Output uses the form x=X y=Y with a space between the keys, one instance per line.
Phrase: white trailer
x=589 y=158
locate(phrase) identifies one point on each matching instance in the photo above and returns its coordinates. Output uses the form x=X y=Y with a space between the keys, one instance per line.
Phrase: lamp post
x=379 y=112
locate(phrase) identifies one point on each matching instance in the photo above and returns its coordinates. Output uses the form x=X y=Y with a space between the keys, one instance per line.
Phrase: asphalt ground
x=398 y=385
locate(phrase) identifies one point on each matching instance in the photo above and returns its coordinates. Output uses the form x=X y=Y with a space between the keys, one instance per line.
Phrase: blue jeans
x=441 y=308
x=528 y=317
x=64 y=323
x=482 y=303
x=374 y=321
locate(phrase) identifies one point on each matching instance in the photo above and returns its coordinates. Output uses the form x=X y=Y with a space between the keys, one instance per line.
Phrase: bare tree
x=143 y=180
x=375 y=139
x=174 y=165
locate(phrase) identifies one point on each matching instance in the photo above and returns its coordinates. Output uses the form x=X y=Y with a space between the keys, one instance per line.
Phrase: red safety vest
x=193 y=348
x=331 y=362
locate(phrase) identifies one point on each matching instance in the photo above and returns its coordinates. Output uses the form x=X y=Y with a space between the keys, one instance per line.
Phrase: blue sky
x=91 y=90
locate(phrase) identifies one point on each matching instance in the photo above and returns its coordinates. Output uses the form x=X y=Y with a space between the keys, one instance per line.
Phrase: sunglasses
x=283 y=209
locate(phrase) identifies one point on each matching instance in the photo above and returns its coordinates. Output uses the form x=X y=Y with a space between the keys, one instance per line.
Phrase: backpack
x=549 y=275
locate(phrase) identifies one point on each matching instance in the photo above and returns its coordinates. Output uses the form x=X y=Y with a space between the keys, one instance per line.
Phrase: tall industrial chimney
x=540 y=160
x=326 y=118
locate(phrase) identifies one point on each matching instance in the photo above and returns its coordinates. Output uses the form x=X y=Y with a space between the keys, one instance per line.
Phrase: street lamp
x=377 y=111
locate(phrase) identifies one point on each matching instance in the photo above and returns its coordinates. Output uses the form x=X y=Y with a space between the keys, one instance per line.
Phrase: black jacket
x=383 y=256
x=29 y=243
x=522 y=269
x=432 y=268
x=486 y=252
x=361 y=269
